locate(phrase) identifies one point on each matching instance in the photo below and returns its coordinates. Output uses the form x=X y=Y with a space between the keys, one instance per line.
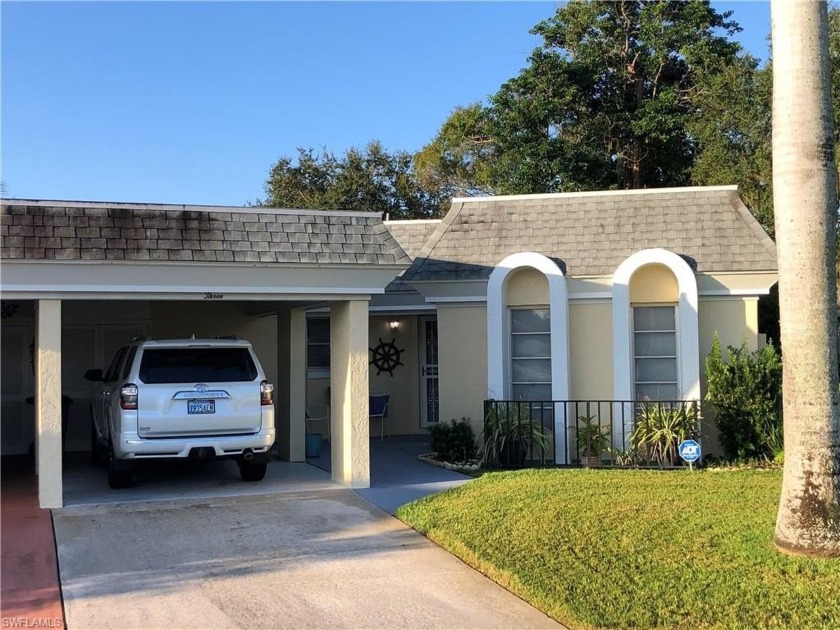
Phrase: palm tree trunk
x=805 y=201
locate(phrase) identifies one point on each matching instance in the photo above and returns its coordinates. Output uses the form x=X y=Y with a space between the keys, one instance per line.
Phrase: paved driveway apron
x=325 y=559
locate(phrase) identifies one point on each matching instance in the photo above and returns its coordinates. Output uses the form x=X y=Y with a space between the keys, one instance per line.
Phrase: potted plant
x=511 y=434
x=592 y=440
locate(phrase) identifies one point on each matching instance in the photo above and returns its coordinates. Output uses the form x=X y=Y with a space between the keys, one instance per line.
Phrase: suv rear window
x=197 y=365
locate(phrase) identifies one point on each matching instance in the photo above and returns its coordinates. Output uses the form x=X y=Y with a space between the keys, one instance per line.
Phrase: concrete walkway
x=396 y=475
x=320 y=559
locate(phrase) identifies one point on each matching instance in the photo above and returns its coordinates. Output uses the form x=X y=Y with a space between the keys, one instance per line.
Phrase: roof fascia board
x=62 y=293
x=192 y=279
x=596 y=193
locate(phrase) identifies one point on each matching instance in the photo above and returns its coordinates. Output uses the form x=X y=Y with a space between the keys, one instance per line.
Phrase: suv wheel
x=119 y=472
x=252 y=470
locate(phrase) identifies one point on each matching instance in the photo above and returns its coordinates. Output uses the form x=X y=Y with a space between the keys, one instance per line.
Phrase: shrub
x=746 y=393
x=659 y=429
x=453 y=441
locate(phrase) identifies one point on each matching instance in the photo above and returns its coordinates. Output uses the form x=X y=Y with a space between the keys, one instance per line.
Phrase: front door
x=429 y=392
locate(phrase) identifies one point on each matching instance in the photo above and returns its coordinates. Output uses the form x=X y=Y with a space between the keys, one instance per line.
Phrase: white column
x=349 y=444
x=48 y=403
x=290 y=401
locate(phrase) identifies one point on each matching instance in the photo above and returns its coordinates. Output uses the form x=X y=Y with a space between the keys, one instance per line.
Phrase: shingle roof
x=35 y=230
x=412 y=236
x=592 y=233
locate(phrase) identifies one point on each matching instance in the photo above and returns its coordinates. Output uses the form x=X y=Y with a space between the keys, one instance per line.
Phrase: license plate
x=201 y=406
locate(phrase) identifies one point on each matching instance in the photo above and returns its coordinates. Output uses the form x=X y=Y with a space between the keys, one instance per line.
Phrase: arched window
x=514 y=334
x=655 y=328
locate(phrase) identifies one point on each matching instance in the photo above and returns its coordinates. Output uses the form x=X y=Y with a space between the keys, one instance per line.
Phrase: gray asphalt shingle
x=592 y=233
x=33 y=230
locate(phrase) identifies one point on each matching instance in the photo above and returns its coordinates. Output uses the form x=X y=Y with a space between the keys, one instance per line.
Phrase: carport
x=182 y=269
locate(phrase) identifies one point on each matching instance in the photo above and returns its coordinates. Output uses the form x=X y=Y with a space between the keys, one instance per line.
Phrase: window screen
x=530 y=354
x=655 y=353
x=318 y=344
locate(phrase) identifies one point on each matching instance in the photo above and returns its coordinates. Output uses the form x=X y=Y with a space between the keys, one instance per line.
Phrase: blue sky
x=193 y=102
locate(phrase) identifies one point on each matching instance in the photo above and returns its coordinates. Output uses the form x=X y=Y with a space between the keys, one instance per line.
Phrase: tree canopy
x=605 y=102
x=619 y=94
x=368 y=179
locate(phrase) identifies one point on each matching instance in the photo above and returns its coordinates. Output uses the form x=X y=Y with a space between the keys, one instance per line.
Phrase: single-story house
x=595 y=296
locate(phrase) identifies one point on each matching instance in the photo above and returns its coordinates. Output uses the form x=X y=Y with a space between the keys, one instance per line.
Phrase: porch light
x=394 y=326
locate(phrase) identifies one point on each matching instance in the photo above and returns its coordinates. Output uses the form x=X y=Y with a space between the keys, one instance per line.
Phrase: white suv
x=182 y=398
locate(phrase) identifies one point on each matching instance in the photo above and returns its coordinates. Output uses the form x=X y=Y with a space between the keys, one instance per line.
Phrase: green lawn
x=635 y=548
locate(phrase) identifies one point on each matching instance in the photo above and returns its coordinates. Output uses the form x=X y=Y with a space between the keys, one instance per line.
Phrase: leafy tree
x=458 y=161
x=369 y=179
x=541 y=131
x=732 y=130
x=605 y=102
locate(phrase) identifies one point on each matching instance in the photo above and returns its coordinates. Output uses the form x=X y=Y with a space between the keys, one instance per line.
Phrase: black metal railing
x=527 y=433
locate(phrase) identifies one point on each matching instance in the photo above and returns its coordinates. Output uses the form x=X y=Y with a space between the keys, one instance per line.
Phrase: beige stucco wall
x=462 y=350
x=350 y=445
x=734 y=319
x=654 y=283
x=590 y=350
x=403 y=386
x=526 y=287
x=290 y=386
x=48 y=403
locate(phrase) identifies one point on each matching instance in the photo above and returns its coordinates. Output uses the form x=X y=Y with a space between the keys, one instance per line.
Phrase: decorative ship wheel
x=386 y=356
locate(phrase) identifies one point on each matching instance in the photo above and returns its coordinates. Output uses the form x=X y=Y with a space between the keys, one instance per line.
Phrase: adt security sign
x=689 y=451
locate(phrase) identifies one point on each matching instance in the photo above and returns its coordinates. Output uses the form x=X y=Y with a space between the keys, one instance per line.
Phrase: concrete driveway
x=324 y=558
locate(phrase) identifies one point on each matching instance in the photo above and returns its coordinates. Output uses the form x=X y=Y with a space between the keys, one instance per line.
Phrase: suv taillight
x=266 y=393
x=128 y=396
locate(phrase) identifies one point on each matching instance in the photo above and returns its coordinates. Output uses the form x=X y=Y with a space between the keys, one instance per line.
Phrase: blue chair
x=317 y=414
x=379 y=409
